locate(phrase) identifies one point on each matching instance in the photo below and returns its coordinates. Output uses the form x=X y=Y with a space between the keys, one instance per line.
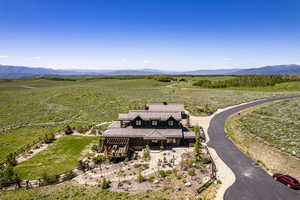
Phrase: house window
x=171 y=140
x=170 y=123
x=154 y=123
x=138 y=122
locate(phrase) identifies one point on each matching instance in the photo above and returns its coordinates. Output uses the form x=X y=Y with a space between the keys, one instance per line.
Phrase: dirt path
x=33 y=151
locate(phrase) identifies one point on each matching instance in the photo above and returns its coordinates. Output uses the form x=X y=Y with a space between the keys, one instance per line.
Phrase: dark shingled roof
x=166 y=107
x=150 y=115
x=189 y=135
x=146 y=133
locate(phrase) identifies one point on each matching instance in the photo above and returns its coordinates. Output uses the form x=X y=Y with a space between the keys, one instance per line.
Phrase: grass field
x=60 y=157
x=21 y=137
x=278 y=123
x=70 y=191
x=269 y=134
x=86 y=102
x=78 y=192
x=31 y=108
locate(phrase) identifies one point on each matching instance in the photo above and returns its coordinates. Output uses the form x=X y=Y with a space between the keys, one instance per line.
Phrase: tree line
x=247 y=81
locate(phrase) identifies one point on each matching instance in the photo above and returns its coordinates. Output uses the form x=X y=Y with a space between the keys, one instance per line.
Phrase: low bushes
x=7 y=176
x=99 y=159
x=68 y=130
x=49 y=138
x=140 y=178
x=47 y=179
x=105 y=184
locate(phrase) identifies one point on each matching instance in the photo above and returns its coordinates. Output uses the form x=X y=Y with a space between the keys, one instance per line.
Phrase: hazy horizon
x=164 y=35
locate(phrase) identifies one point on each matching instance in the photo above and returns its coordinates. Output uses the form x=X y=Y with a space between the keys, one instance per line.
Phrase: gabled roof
x=155 y=134
x=166 y=107
x=146 y=133
x=150 y=115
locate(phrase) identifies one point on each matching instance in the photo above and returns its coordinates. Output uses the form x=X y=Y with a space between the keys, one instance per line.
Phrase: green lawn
x=60 y=157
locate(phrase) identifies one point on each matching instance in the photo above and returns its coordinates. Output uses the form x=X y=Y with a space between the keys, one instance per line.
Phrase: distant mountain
x=7 y=71
x=275 y=69
x=13 y=72
x=212 y=72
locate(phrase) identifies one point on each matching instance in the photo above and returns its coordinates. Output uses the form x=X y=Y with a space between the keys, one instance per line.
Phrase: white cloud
x=36 y=58
x=124 y=60
x=146 y=61
x=3 y=56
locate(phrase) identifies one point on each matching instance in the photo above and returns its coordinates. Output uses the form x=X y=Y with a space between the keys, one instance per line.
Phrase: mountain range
x=15 y=72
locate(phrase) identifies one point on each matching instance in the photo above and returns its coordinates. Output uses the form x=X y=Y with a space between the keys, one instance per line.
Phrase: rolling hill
x=15 y=72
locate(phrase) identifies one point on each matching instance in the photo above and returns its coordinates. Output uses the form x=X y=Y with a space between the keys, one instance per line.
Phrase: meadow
x=71 y=191
x=31 y=108
x=277 y=123
x=269 y=134
x=78 y=192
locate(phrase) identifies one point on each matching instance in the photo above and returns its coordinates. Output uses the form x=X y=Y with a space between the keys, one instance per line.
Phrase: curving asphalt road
x=252 y=182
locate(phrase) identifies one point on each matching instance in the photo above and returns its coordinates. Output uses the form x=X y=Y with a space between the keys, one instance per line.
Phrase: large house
x=156 y=125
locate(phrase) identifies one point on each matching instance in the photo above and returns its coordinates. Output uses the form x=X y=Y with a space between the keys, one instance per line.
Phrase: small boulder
x=156 y=181
x=188 y=184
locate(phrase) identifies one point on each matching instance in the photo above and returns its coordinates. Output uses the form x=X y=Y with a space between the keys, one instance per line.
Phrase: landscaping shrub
x=151 y=179
x=69 y=175
x=120 y=184
x=191 y=172
x=49 y=138
x=105 y=184
x=140 y=178
x=11 y=160
x=82 y=129
x=146 y=154
x=68 y=130
x=164 y=173
x=197 y=145
x=205 y=160
x=137 y=165
x=47 y=179
x=208 y=110
x=94 y=147
x=7 y=176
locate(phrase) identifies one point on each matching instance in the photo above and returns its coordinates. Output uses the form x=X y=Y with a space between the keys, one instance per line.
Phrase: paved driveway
x=252 y=182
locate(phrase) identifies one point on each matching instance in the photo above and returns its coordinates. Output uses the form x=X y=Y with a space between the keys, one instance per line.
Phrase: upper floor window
x=170 y=123
x=138 y=122
x=154 y=123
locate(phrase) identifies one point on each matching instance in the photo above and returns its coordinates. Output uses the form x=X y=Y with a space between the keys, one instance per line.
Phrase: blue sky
x=165 y=34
